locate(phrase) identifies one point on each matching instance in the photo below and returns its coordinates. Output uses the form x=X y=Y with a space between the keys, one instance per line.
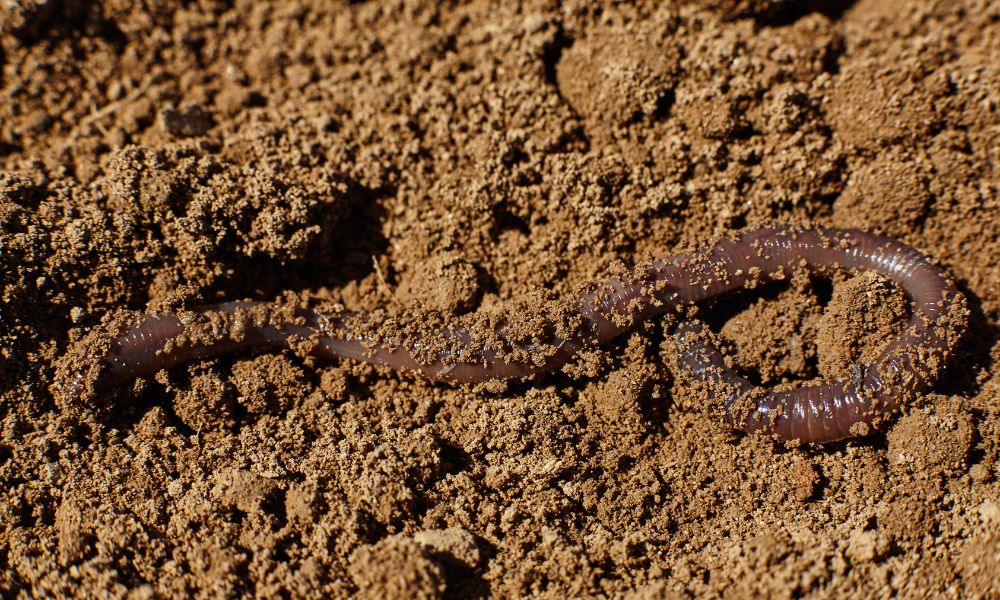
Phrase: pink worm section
x=815 y=413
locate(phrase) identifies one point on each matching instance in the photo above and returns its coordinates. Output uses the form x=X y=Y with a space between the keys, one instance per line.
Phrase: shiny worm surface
x=813 y=413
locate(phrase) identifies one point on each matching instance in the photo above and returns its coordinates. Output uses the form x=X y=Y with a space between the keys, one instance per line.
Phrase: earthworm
x=455 y=353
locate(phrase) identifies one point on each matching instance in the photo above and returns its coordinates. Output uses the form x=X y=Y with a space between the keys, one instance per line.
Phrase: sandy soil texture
x=457 y=157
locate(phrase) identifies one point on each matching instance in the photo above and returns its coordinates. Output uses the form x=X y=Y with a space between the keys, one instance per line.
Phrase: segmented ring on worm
x=813 y=413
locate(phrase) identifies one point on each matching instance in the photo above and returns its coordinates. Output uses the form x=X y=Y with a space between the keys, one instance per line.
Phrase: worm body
x=813 y=413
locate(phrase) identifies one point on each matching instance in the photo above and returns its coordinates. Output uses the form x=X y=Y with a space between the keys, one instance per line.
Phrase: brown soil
x=456 y=157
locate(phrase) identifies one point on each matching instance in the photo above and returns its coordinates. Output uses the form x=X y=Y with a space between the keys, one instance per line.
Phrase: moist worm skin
x=825 y=412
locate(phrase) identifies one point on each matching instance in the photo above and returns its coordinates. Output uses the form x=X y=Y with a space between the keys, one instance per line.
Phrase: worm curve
x=813 y=413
